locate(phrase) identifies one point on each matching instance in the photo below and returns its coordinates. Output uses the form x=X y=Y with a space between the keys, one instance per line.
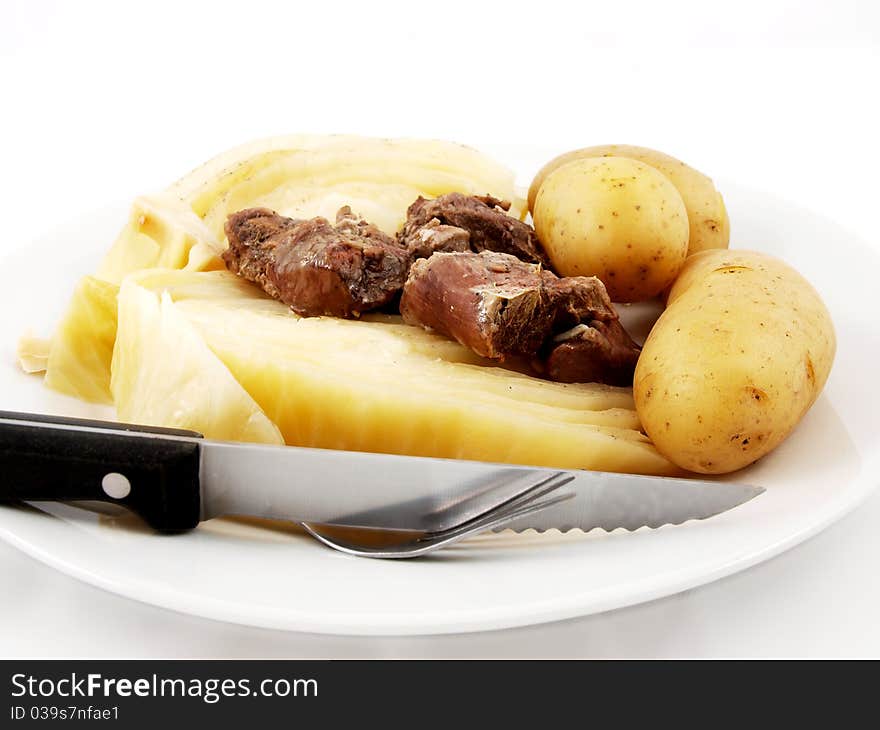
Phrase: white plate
x=278 y=578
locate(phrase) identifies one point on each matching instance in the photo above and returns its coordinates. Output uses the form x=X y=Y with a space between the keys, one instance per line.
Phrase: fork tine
x=530 y=508
x=529 y=500
x=484 y=525
x=508 y=507
x=484 y=496
x=494 y=520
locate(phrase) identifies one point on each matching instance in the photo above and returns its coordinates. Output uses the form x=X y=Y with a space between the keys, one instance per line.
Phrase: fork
x=377 y=543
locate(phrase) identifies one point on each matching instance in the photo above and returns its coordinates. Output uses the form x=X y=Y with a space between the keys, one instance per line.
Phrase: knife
x=175 y=479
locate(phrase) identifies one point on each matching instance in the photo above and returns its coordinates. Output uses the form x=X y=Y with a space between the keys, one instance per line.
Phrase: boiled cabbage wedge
x=163 y=374
x=361 y=385
x=78 y=363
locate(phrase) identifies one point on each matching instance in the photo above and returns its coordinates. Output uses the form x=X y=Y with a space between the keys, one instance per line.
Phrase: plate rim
x=449 y=622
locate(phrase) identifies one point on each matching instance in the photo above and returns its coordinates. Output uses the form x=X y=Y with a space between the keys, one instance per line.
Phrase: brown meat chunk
x=314 y=267
x=578 y=299
x=482 y=218
x=493 y=303
x=598 y=352
x=435 y=237
x=498 y=306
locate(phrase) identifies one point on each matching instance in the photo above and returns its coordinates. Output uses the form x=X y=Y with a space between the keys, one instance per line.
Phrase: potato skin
x=614 y=218
x=738 y=357
x=709 y=224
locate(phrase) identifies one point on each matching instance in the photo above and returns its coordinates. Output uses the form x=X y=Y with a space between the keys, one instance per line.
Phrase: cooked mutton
x=459 y=222
x=499 y=306
x=314 y=267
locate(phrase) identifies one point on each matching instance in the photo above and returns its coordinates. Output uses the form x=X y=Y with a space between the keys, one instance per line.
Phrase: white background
x=103 y=101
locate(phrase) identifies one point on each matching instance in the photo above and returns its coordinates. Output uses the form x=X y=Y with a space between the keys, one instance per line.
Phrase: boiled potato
x=738 y=357
x=614 y=218
x=707 y=216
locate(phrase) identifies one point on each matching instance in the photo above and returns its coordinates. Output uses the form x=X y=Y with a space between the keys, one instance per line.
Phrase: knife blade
x=426 y=494
x=174 y=479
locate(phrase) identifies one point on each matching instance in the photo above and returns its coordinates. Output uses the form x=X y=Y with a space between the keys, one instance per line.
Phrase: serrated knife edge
x=621 y=501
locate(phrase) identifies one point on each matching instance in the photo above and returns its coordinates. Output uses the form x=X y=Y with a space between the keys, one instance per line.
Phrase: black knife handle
x=154 y=472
